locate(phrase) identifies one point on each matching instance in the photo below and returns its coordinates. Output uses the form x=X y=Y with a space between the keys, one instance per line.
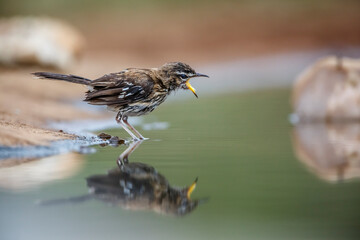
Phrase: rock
x=329 y=90
x=113 y=141
x=116 y=141
x=331 y=151
x=104 y=136
x=39 y=41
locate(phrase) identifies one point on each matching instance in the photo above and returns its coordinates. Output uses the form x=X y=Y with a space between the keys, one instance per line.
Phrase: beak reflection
x=136 y=186
x=191 y=188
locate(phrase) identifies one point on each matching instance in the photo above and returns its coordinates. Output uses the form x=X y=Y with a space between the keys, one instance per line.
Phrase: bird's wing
x=120 y=88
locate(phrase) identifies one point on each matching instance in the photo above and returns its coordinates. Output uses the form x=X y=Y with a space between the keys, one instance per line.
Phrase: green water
x=240 y=148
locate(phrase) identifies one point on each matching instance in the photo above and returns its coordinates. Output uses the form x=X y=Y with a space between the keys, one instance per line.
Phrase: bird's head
x=177 y=201
x=176 y=75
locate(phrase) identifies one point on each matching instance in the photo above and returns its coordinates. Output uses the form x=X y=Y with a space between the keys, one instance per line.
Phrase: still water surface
x=250 y=183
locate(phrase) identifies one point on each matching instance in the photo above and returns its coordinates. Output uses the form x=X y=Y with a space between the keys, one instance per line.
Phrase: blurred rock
x=328 y=90
x=331 y=151
x=25 y=174
x=39 y=41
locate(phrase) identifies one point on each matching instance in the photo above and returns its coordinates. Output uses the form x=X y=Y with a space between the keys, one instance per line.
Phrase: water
x=250 y=182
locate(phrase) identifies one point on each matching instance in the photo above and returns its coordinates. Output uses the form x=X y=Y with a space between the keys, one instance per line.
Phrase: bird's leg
x=129 y=131
x=124 y=156
x=120 y=119
x=124 y=119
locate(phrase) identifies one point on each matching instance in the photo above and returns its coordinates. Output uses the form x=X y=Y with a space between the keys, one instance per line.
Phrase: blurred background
x=273 y=137
x=154 y=32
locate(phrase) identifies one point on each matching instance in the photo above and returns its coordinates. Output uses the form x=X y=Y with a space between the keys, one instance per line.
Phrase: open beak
x=200 y=75
x=191 y=87
x=191 y=188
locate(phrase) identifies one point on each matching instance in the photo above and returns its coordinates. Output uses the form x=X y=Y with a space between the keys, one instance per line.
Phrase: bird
x=133 y=91
x=136 y=186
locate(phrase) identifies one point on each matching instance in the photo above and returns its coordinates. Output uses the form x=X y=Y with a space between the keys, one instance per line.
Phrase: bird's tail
x=62 y=77
x=61 y=201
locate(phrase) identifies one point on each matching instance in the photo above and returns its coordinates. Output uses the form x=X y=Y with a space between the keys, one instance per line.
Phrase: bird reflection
x=136 y=186
x=330 y=150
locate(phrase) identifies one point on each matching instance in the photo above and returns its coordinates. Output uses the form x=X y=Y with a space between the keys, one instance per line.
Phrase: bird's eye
x=183 y=76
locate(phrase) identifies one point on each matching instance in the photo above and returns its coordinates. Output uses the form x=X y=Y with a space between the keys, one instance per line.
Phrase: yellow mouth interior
x=191 y=189
x=191 y=87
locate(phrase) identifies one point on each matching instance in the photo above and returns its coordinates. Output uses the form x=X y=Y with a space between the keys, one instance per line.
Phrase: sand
x=27 y=105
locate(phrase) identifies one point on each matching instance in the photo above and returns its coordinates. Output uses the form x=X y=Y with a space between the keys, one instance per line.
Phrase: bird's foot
x=140 y=139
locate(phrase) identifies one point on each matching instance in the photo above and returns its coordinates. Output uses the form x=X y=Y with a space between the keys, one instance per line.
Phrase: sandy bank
x=27 y=105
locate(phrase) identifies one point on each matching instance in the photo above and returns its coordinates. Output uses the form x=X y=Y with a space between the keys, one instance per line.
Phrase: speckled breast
x=143 y=107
